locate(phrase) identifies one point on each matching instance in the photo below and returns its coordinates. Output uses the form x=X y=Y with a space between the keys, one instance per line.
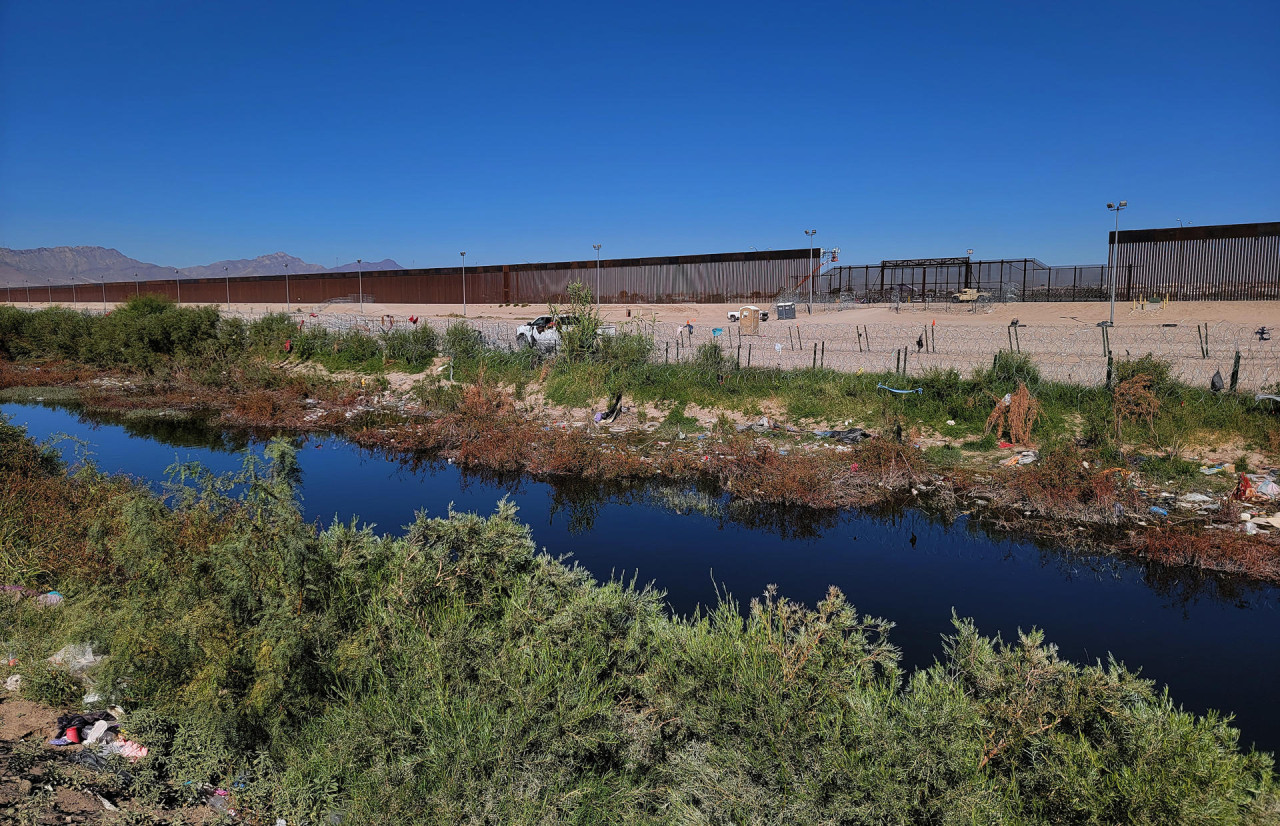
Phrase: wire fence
x=1245 y=356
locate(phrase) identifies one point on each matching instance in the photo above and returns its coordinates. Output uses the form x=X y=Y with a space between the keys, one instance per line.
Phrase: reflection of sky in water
x=1215 y=649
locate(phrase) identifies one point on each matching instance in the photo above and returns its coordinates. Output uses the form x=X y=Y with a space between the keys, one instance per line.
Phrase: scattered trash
x=951 y=422
x=100 y=729
x=76 y=658
x=50 y=600
x=1216 y=384
x=1005 y=445
x=14 y=683
x=919 y=390
x=1209 y=471
x=1028 y=456
x=853 y=436
x=1158 y=511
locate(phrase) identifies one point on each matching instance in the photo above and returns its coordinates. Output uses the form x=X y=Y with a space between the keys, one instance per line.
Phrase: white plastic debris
x=76 y=658
x=14 y=683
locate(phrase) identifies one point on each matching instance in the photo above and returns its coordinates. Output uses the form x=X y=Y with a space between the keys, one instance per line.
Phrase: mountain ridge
x=79 y=264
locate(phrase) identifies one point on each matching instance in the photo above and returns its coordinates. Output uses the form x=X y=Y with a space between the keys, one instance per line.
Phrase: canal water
x=1215 y=641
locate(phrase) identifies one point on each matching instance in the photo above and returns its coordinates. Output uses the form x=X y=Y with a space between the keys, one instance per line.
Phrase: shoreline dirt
x=1065 y=497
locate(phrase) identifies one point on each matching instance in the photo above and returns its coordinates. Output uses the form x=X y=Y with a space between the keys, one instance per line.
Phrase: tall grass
x=150 y=334
x=454 y=674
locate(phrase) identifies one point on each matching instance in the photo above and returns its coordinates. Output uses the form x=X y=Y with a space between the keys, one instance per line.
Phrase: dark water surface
x=1215 y=641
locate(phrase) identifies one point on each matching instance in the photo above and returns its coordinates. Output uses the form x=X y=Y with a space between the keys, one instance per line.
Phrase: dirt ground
x=39 y=783
x=981 y=315
x=1062 y=338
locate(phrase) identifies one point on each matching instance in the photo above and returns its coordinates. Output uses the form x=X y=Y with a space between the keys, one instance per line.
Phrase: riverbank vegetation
x=453 y=674
x=1105 y=456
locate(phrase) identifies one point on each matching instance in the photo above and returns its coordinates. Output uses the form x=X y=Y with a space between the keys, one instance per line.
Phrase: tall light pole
x=287 y=305
x=811 y=233
x=227 y=278
x=1113 y=257
x=137 y=286
x=360 y=281
x=27 y=284
x=178 y=284
x=597 y=248
x=464 y=283
x=104 y=295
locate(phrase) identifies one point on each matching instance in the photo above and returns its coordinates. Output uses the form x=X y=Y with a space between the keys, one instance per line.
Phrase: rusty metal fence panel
x=1229 y=262
x=750 y=276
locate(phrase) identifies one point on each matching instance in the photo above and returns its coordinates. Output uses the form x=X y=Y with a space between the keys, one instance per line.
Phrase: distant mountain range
x=63 y=265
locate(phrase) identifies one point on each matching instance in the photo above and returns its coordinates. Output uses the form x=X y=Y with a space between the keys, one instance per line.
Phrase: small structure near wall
x=750 y=320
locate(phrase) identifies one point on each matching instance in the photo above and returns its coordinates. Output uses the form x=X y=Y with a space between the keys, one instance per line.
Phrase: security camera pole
x=597 y=247
x=811 y=233
x=464 y=284
x=1113 y=257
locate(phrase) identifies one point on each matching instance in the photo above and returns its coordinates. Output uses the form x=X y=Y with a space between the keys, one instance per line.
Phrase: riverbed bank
x=1068 y=495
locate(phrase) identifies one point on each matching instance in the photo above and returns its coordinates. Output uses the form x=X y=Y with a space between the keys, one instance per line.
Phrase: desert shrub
x=462 y=342
x=1157 y=370
x=1009 y=368
x=270 y=332
x=48 y=684
x=454 y=674
x=625 y=350
x=413 y=348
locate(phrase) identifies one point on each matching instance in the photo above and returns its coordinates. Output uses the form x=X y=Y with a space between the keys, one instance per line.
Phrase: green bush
x=462 y=342
x=454 y=674
x=414 y=348
x=53 y=686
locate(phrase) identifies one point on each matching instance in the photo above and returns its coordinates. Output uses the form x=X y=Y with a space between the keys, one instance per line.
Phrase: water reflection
x=1210 y=637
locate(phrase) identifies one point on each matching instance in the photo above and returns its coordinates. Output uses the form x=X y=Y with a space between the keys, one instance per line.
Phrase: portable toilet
x=750 y=321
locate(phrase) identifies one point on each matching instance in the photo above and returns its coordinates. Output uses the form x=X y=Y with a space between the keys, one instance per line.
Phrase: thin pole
x=227 y=278
x=137 y=287
x=286 y=286
x=597 y=246
x=104 y=294
x=811 y=233
x=28 y=286
x=360 y=281
x=177 y=283
x=464 y=283
x=1113 y=256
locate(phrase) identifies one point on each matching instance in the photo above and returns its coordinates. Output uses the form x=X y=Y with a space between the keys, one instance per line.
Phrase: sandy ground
x=1062 y=338
x=981 y=315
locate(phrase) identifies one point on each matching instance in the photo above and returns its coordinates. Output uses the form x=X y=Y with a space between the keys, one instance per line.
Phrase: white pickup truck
x=543 y=333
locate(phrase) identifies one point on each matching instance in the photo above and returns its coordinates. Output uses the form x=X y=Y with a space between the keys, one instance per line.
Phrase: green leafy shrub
x=48 y=684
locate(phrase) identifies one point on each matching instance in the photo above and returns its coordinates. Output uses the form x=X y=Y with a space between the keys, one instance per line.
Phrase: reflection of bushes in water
x=685 y=501
x=183 y=429
x=453 y=675
x=787 y=521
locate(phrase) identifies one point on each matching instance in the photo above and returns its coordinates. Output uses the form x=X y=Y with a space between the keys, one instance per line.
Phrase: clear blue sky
x=183 y=133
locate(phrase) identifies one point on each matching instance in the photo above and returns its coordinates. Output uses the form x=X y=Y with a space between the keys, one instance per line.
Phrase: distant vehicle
x=543 y=333
x=968 y=294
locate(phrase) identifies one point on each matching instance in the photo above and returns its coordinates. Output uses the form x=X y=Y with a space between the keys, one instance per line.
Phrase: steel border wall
x=718 y=278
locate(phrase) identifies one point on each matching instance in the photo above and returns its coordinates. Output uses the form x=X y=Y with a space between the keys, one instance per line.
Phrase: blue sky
x=183 y=133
